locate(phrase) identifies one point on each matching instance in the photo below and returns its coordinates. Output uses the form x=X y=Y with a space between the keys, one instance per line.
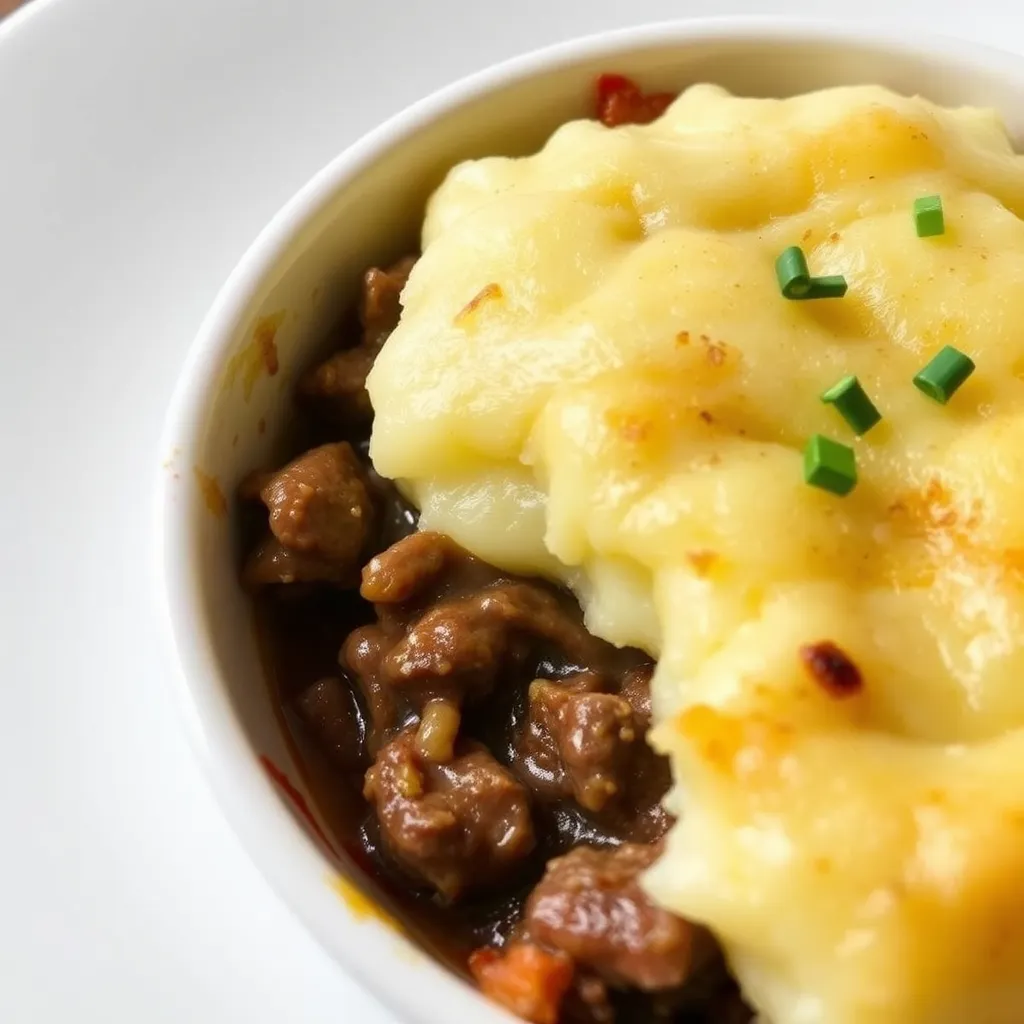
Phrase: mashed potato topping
x=597 y=379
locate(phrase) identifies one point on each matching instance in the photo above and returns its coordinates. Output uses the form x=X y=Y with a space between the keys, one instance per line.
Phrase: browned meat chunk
x=593 y=736
x=321 y=519
x=320 y=504
x=271 y=562
x=589 y=904
x=381 y=305
x=361 y=654
x=407 y=568
x=469 y=640
x=365 y=654
x=327 y=709
x=456 y=826
x=583 y=742
x=636 y=688
x=449 y=626
x=336 y=389
x=408 y=581
x=641 y=815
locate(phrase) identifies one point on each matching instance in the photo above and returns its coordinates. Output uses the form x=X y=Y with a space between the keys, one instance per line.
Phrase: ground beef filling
x=470 y=744
x=454 y=825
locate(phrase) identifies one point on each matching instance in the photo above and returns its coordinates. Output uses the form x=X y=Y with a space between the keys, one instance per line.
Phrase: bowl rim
x=269 y=837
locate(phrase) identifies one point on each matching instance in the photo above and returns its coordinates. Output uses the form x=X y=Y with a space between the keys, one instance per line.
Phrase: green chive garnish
x=941 y=378
x=791 y=270
x=928 y=217
x=833 y=287
x=795 y=279
x=853 y=404
x=829 y=465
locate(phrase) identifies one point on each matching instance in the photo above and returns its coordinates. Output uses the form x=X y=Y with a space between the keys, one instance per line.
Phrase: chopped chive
x=928 y=216
x=791 y=270
x=853 y=404
x=795 y=279
x=944 y=374
x=830 y=465
x=833 y=287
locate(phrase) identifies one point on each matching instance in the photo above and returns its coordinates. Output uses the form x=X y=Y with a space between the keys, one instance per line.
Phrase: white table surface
x=124 y=896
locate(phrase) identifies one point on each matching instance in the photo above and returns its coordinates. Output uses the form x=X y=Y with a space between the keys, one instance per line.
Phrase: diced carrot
x=610 y=84
x=620 y=101
x=523 y=978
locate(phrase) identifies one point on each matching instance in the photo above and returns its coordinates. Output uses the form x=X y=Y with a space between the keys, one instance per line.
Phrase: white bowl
x=363 y=208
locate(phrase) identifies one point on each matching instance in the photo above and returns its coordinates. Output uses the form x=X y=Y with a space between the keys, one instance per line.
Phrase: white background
x=143 y=143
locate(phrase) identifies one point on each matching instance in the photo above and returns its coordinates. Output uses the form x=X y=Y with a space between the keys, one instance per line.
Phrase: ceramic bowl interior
x=231 y=412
